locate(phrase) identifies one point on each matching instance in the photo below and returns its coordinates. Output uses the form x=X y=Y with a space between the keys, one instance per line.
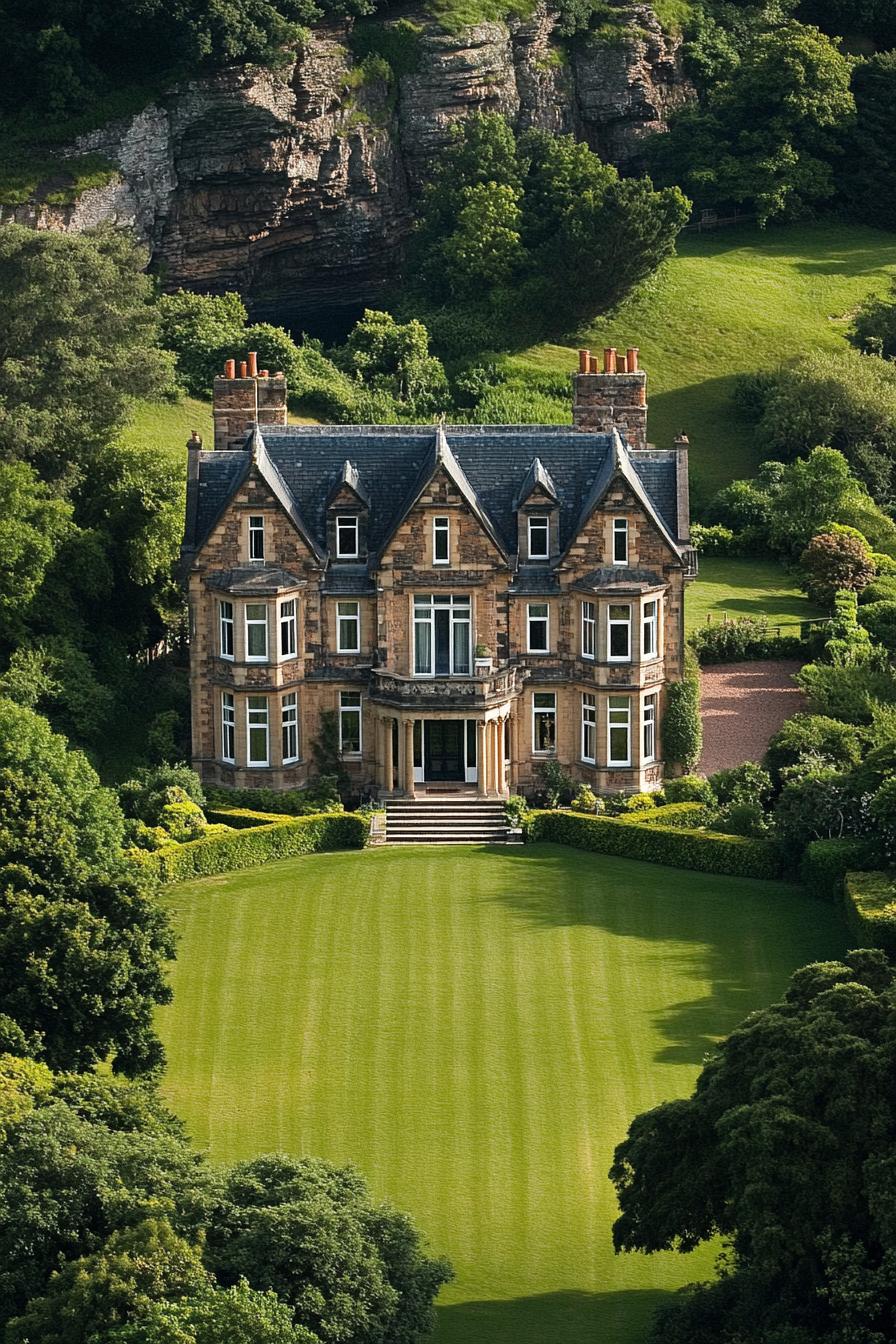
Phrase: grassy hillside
x=166 y=425
x=746 y=587
x=475 y=1029
x=731 y=302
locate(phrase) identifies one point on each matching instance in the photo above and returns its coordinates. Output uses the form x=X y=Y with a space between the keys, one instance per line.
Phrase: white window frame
x=623 y=720
x=589 y=630
x=545 y=618
x=348 y=619
x=256 y=536
x=541 y=519
x=589 y=721
x=288 y=612
x=541 y=711
x=650 y=623
x=228 y=727
x=617 y=623
x=289 y=728
x=424 y=608
x=620 y=533
x=343 y=520
x=351 y=709
x=255 y=621
x=226 y=630
x=253 y=725
x=648 y=730
x=441 y=530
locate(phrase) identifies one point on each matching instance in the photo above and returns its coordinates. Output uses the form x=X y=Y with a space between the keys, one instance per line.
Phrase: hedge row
x=871 y=908
x=825 y=864
x=292 y=802
x=257 y=844
x=683 y=816
x=703 y=851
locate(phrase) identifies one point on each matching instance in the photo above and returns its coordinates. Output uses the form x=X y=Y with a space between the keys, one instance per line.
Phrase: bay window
x=589 y=728
x=648 y=751
x=619 y=632
x=348 y=627
x=538 y=628
x=256 y=632
x=544 y=723
x=256 y=536
x=620 y=541
x=441 y=541
x=289 y=727
x=288 y=628
x=228 y=727
x=350 y=723
x=539 y=537
x=588 y=629
x=257 y=730
x=619 y=730
x=650 y=629
x=225 y=627
x=442 y=635
x=346 y=537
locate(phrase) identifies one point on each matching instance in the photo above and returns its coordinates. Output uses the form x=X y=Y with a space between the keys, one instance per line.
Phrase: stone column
x=482 y=785
x=499 y=757
x=388 y=765
x=409 y=758
x=515 y=747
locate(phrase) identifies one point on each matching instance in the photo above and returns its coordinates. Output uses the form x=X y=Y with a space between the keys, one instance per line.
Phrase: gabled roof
x=394 y=463
x=349 y=477
x=618 y=463
x=537 y=478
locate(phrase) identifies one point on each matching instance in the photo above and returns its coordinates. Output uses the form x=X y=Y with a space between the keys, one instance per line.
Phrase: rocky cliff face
x=296 y=188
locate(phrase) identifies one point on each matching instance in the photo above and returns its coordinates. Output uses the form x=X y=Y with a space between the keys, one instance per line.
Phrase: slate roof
x=493 y=463
x=258 y=579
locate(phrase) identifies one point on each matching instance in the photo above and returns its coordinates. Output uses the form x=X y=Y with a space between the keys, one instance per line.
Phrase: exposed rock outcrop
x=296 y=187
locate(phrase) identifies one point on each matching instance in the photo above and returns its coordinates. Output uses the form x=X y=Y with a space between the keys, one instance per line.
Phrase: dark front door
x=444 y=749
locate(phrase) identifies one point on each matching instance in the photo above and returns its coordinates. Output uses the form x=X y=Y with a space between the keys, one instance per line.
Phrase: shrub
x=836 y=561
x=747 y=638
x=813 y=736
x=884 y=564
x=516 y=810
x=741 y=818
x=152 y=789
x=182 y=819
x=702 y=851
x=689 y=789
x=871 y=908
x=714 y=539
x=747 y=783
x=815 y=803
x=638 y=802
x=846 y=688
x=682 y=727
x=879 y=619
x=825 y=864
x=556 y=784
x=319 y=797
x=882 y=810
x=881 y=589
x=257 y=844
x=687 y=816
x=586 y=800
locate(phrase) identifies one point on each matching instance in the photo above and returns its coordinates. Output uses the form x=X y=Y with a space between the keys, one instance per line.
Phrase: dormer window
x=346 y=537
x=441 y=541
x=539 y=537
x=256 y=536
x=620 y=541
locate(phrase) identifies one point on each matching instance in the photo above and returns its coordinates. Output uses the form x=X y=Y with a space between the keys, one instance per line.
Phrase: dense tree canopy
x=786 y=1150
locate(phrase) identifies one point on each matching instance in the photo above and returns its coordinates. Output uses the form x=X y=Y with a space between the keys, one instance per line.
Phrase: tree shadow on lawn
x=573 y=1317
x=555 y=887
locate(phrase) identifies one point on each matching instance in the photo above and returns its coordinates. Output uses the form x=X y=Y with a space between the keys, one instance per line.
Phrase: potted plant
x=483 y=659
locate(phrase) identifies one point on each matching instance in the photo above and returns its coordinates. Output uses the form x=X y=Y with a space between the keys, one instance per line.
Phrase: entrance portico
x=441 y=749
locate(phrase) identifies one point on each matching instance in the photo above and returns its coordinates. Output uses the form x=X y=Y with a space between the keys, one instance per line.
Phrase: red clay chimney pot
x=230 y=368
x=584 y=359
x=243 y=369
x=631 y=359
x=610 y=359
x=253 y=363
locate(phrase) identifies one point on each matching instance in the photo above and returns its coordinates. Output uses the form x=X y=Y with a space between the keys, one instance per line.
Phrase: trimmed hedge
x=256 y=844
x=286 y=802
x=703 y=851
x=871 y=908
x=683 y=816
x=825 y=864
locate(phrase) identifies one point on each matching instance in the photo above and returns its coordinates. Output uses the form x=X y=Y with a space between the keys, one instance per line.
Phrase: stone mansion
x=470 y=600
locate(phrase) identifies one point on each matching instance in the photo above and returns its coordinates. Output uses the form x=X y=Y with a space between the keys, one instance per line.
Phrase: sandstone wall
x=296 y=187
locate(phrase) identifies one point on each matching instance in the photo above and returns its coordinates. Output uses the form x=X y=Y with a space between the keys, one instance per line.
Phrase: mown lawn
x=166 y=425
x=746 y=587
x=733 y=302
x=474 y=1029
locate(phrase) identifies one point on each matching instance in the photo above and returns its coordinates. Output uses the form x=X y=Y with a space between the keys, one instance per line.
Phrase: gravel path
x=743 y=706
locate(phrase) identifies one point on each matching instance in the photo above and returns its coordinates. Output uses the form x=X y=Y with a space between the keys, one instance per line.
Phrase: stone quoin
x=470 y=601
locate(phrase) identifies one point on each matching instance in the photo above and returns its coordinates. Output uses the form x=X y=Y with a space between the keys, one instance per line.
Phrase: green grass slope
x=166 y=425
x=746 y=587
x=732 y=302
x=474 y=1029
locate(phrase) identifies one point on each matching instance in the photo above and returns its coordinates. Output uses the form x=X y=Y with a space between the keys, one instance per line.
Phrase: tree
x=785 y=1150
x=351 y=1269
x=836 y=561
x=874 y=325
x=78 y=345
x=767 y=132
x=815 y=737
x=867 y=170
x=393 y=358
x=32 y=523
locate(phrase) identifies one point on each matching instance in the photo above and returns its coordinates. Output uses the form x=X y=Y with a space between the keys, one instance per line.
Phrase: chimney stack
x=615 y=398
x=238 y=403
